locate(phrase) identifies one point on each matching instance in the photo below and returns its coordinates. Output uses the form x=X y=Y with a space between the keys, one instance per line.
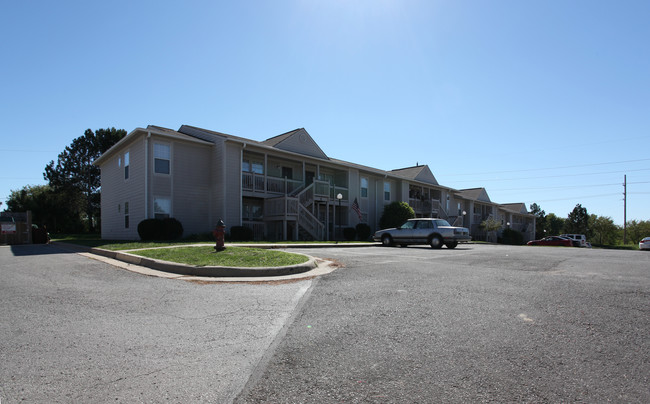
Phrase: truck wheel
x=435 y=242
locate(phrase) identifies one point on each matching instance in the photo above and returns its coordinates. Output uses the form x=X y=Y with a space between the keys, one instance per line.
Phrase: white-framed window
x=126 y=165
x=364 y=187
x=162 y=207
x=387 y=191
x=161 y=158
x=252 y=166
x=126 y=215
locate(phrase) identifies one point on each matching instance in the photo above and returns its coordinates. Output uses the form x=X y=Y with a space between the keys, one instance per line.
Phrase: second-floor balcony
x=262 y=184
x=427 y=207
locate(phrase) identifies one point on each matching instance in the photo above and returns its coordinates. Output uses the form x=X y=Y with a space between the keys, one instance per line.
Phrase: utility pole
x=625 y=209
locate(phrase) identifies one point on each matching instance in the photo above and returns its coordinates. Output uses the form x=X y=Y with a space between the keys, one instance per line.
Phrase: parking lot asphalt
x=481 y=323
x=391 y=325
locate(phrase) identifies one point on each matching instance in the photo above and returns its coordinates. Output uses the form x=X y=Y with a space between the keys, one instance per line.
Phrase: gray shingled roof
x=280 y=138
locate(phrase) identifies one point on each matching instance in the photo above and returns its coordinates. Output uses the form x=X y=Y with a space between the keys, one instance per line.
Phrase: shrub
x=396 y=214
x=150 y=229
x=40 y=236
x=160 y=229
x=512 y=237
x=173 y=229
x=241 y=233
x=363 y=232
x=349 y=233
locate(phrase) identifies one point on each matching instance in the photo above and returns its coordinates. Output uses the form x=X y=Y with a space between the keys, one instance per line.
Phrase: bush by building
x=363 y=232
x=160 y=229
x=241 y=233
x=349 y=233
x=395 y=214
x=512 y=237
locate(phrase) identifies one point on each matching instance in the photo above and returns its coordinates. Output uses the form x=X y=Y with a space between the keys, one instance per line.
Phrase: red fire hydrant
x=219 y=234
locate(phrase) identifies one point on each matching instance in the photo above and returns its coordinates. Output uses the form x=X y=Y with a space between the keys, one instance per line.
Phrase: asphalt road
x=475 y=324
x=77 y=330
x=394 y=325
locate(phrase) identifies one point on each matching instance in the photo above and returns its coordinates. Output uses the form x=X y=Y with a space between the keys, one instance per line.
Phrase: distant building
x=283 y=188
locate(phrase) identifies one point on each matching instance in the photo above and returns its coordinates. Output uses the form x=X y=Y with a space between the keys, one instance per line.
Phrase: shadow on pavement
x=36 y=249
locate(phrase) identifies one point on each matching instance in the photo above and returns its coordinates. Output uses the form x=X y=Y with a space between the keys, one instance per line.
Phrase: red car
x=553 y=241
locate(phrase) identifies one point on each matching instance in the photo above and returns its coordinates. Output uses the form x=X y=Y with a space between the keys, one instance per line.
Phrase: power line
x=566 y=187
x=554 y=176
x=578 y=197
x=27 y=151
x=552 y=168
x=558 y=187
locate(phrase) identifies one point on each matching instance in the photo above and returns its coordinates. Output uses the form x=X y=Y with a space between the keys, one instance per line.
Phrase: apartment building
x=283 y=188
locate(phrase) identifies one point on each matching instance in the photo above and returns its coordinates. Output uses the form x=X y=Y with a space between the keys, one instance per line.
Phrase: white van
x=579 y=240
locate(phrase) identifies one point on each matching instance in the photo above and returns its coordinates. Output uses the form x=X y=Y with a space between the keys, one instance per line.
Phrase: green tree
x=490 y=225
x=395 y=214
x=74 y=172
x=56 y=210
x=636 y=230
x=578 y=221
x=603 y=229
x=554 y=224
x=540 y=220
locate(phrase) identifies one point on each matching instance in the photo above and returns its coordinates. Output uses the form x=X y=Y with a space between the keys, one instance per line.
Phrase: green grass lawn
x=230 y=257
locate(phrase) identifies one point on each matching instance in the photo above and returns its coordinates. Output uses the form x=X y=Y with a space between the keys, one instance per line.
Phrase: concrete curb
x=192 y=270
x=184 y=269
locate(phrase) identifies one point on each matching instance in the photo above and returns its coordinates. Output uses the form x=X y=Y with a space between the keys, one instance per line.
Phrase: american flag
x=355 y=207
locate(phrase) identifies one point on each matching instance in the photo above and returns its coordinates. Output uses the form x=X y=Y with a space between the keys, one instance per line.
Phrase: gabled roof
x=475 y=194
x=157 y=130
x=297 y=141
x=204 y=134
x=519 y=207
x=419 y=173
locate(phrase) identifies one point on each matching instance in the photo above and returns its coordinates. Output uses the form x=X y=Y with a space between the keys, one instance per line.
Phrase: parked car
x=579 y=240
x=644 y=244
x=434 y=232
x=553 y=241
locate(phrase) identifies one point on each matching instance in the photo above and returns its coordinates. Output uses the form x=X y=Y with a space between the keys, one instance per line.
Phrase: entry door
x=309 y=177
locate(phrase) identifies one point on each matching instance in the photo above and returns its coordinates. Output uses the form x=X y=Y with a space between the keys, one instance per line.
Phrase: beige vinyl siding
x=232 y=193
x=191 y=171
x=303 y=144
x=354 y=191
x=218 y=190
x=161 y=184
x=116 y=191
x=402 y=191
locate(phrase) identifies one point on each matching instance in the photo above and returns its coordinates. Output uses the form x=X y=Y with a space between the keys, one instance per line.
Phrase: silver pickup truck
x=434 y=232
